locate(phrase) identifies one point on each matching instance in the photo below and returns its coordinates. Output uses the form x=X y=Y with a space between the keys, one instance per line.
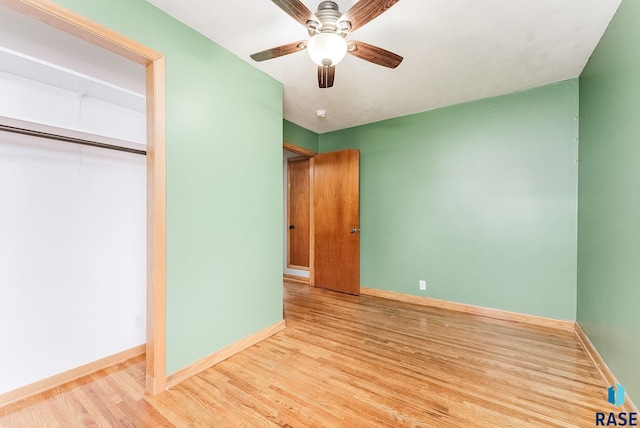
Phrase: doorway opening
x=296 y=212
x=154 y=63
x=322 y=218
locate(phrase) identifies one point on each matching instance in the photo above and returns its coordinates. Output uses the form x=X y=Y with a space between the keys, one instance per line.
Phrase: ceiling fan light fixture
x=327 y=49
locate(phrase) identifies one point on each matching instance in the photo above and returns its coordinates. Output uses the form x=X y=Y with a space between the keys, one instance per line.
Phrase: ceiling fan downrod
x=329 y=16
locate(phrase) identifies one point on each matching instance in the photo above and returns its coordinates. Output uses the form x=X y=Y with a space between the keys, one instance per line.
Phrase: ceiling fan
x=328 y=29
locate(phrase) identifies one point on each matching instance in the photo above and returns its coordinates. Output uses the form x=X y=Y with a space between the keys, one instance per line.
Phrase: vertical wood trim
x=70 y=22
x=357 y=225
x=156 y=228
x=287 y=231
x=312 y=225
x=608 y=378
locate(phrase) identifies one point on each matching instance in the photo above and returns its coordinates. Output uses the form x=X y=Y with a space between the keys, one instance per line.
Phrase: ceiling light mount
x=321 y=113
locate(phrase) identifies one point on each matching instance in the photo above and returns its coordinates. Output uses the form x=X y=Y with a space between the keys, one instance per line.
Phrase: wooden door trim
x=304 y=154
x=63 y=19
x=312 y=227
x=298 y=150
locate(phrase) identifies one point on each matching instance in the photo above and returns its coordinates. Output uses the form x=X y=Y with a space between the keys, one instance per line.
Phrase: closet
x=72 y=202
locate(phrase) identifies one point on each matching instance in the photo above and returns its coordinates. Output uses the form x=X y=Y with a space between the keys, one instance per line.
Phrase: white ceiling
x=454 y=51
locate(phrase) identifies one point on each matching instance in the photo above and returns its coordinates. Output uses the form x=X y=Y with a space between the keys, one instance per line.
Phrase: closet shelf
x=26 y=66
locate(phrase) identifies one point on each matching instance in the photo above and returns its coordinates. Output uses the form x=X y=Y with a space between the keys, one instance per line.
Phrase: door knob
x=354 y=230
x=292 y=226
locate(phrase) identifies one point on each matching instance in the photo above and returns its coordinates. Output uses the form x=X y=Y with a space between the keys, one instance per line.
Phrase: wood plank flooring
x=347 y=361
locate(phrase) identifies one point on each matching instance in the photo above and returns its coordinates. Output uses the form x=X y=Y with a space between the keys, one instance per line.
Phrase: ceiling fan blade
x=326 y=74
x=365 y=11
x=374 y=54
x=279 y=51
x=297 y=10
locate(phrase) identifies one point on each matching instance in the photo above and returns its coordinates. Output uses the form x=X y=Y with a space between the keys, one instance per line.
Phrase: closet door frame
x=154 y=62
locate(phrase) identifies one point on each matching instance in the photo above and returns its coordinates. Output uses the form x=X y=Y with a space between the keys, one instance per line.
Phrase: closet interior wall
x=73 y=217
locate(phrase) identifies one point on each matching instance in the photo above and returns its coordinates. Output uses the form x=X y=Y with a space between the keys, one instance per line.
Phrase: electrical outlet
x=138 y=321
x=423 y=284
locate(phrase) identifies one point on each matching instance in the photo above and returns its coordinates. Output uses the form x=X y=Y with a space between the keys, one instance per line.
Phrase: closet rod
x=39 y=134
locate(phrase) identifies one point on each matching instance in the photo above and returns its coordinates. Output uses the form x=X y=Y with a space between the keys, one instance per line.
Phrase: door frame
x=63 y=19
x=289 y=162
x=306 y=153
x=298 y=150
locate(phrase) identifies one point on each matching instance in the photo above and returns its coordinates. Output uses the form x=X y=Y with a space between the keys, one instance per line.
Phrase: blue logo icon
x=616 y=395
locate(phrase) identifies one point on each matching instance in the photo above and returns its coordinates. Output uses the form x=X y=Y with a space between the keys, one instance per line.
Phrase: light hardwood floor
x=346 y=361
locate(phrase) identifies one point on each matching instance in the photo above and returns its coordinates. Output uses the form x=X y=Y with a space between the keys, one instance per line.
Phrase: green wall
x=609 y=208
x=300 y=136
x=224 y=183
x=478 y=199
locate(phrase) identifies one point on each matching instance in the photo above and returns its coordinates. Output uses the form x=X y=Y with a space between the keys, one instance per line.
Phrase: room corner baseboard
x=70 y=375
x=295 y=278
x=601 y=366
x=221 y=355
x=500 y=314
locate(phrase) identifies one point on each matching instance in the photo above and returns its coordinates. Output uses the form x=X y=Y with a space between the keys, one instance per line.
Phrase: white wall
x=72 y=256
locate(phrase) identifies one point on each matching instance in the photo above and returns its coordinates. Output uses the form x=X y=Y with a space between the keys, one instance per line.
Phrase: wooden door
x=298 y=213
x=335 y=221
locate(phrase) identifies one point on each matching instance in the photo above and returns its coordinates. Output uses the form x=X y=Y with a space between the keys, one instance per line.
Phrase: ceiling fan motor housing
x=328 y=14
